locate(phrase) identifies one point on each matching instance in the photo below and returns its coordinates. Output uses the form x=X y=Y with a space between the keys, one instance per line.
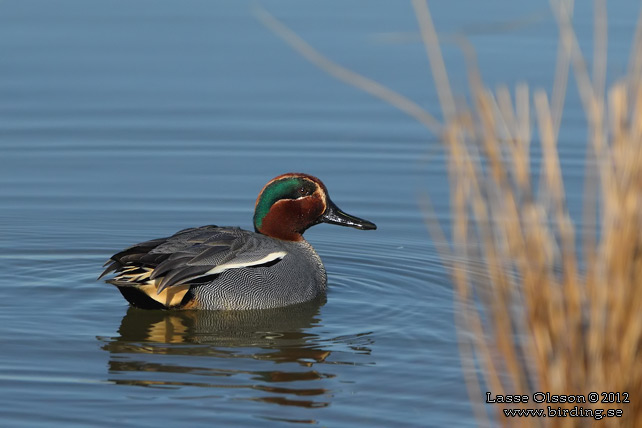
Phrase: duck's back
x=214 y=267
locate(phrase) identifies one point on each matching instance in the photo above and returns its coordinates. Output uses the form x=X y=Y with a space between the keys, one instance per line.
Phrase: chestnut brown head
x=291 y=203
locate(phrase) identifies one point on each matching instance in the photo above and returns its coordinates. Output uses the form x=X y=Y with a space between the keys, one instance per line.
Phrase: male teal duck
x=213 y=267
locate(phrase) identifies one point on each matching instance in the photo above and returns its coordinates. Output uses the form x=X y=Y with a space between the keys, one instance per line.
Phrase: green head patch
x=285 y=188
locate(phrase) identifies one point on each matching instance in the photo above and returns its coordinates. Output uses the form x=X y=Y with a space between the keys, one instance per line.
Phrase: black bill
x=334 y=215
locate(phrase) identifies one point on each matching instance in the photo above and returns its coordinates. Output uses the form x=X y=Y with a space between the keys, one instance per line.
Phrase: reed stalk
x=546 y=315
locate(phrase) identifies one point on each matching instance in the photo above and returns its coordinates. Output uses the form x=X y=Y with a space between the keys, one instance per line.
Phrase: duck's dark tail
x=133 y=268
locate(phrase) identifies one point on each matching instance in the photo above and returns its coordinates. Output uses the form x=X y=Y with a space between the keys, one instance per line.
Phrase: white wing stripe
x=232 y=265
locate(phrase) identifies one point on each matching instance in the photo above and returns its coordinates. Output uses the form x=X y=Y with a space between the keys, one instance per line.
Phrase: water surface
x=126 y=121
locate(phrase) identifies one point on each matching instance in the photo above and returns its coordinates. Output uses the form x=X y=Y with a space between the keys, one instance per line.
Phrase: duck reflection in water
x=239 y=349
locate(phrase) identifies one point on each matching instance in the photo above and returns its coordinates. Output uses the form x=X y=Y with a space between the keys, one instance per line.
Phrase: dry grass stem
x=545 y=316
x=370 y=86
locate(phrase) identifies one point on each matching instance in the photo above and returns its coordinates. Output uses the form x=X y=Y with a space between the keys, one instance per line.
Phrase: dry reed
x=535 y=312
x=544 y=315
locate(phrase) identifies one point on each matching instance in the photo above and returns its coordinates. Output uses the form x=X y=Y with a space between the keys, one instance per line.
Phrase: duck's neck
x=284 y=236
x=283 y=221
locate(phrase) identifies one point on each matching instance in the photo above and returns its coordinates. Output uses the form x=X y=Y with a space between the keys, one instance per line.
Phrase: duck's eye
x=302 y=191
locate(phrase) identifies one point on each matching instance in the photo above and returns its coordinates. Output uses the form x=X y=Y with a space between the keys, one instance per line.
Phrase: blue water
x=125 y=121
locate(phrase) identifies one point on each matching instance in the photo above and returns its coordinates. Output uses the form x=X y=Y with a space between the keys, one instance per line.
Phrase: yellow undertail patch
x=170 y=296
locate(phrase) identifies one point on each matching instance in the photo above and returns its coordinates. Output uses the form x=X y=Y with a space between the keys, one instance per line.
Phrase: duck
x=229 y=268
